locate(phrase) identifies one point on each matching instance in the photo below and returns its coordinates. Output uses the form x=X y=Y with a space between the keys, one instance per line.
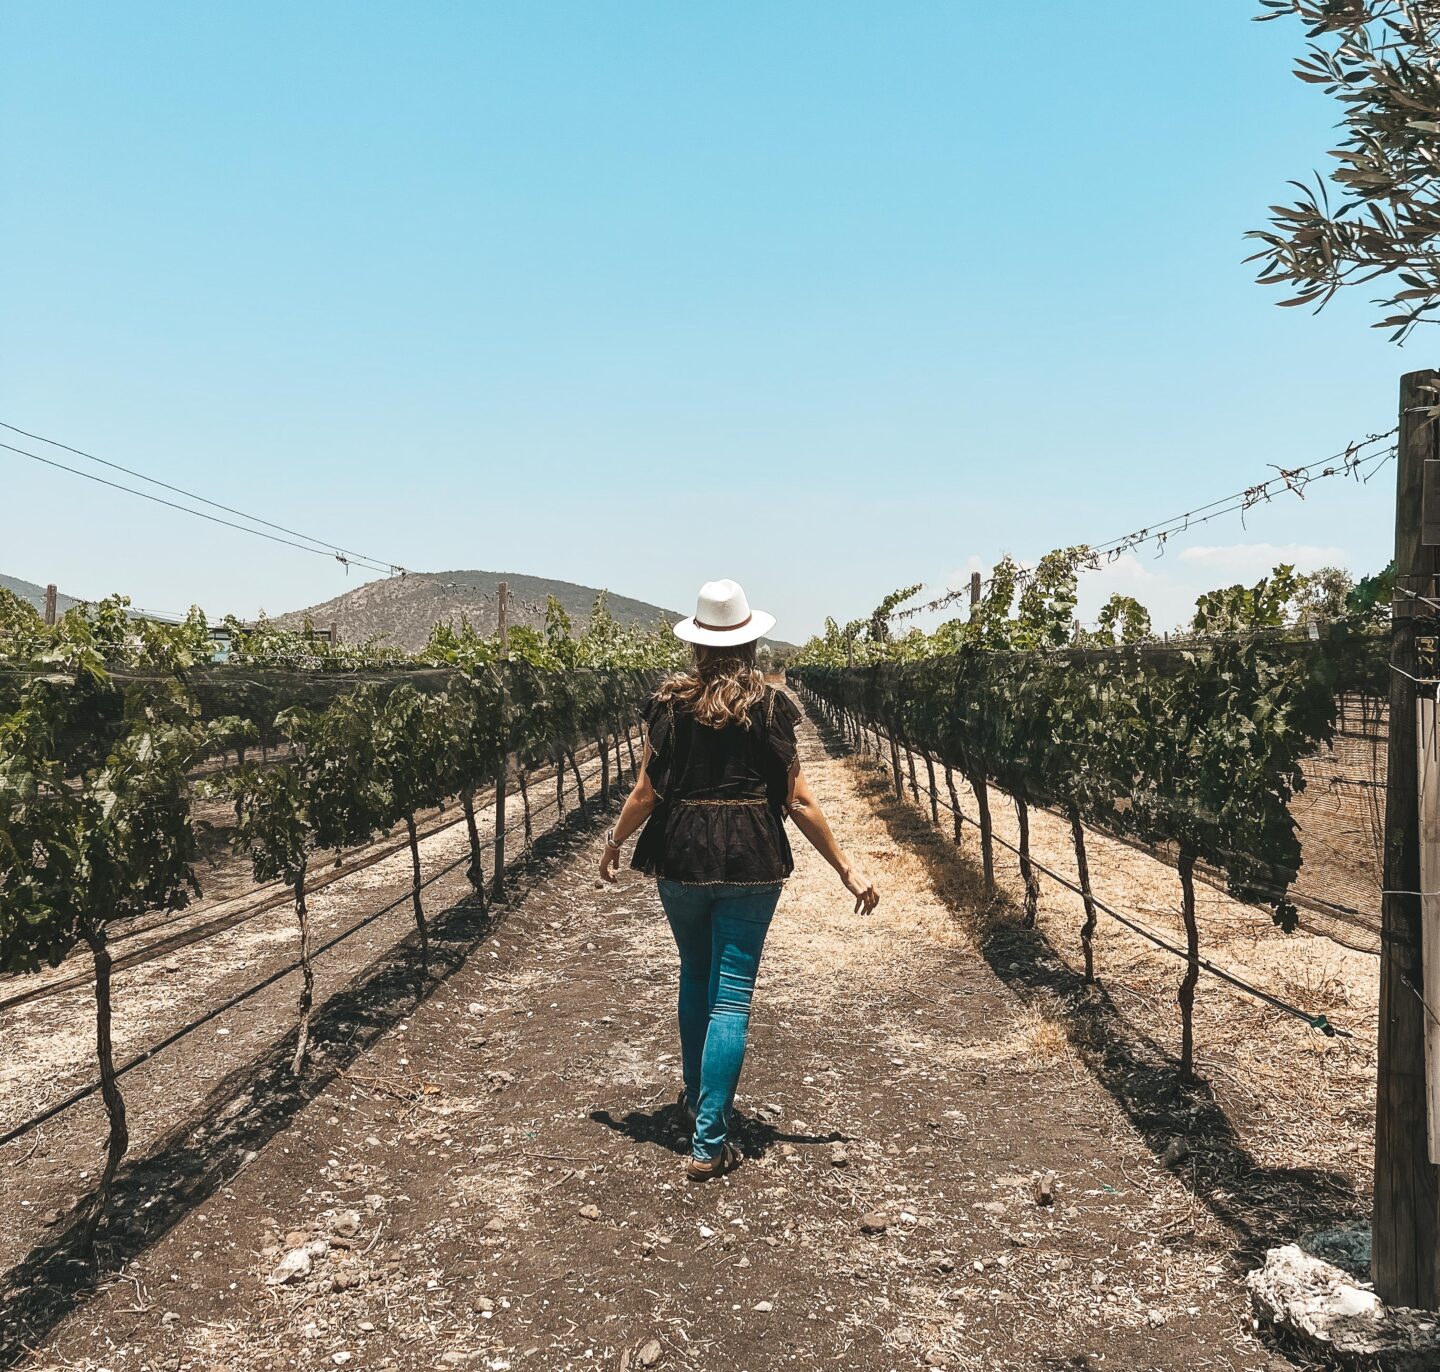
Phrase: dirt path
x=497 y=1182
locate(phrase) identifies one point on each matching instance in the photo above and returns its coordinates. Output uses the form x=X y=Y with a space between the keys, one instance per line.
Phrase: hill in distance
x=35 y=594
x=402 y=610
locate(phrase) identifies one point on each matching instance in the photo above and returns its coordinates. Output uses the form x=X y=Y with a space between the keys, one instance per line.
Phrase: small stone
x=346 y=1223
x=298 y=1238
x=839 y=1156
x=366 y=1327
x=482 y=1305
x=589 y=1212
x=1155 y=1318
x=169 y=1318
x=764 y=1307
x=874 y=1223
x=903 y=1336
x=648 y=1353
x=294 y=1265
x=1176 y=1151
x=374 y=1202
x=495 y=1224
x=341 y=1358
x=937 y=1357
x=1042 y=1188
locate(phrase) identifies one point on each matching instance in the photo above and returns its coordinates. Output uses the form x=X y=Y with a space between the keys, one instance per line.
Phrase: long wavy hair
x=720 y=687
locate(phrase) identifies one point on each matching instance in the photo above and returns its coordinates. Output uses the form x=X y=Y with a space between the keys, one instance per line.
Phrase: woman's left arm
x=636 y=810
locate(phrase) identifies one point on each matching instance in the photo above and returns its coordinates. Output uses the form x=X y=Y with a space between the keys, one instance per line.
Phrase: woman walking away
x=718 y=777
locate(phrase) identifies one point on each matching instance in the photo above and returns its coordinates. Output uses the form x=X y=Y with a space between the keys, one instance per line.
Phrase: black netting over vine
x=1261 y=760
x=532 y=709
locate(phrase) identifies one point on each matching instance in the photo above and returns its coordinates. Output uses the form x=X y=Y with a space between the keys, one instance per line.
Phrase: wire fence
x=522 y=824
x=1340 y=820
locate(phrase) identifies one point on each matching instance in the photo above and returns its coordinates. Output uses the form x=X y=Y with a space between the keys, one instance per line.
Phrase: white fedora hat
x=723 y=615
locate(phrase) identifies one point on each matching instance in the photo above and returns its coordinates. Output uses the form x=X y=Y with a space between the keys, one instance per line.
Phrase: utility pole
x=1406 y=1233
x=502 y=593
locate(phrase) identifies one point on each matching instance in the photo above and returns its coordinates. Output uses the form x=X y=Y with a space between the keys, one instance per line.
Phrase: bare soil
x=486 y=1164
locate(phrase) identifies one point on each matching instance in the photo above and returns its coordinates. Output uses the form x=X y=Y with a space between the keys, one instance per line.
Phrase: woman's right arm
x=638 y=807
x=810 y=820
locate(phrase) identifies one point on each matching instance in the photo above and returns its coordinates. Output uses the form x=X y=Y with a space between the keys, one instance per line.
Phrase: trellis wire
x=1320 y=1021
x=85 y=1092
x=1294 y=479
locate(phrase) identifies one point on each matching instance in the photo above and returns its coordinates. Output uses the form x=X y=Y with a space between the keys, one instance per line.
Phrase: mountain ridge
x=402 y=610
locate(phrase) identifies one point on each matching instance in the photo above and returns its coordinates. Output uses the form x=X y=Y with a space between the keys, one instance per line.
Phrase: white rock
x=294 y=1265
x=1325 y=1306
x=764 y=1307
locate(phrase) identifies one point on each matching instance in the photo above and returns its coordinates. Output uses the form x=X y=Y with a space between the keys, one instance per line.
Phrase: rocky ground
x=954 y=1157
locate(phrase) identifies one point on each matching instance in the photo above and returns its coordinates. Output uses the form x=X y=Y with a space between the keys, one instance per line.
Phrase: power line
x=321 y=547
x=1350 y=462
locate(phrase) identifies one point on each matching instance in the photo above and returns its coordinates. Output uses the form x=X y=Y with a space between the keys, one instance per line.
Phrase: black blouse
x=721 y=796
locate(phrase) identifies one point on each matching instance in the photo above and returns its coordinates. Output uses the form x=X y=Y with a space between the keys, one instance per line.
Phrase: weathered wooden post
x=51 y=595
x=1406 y=1232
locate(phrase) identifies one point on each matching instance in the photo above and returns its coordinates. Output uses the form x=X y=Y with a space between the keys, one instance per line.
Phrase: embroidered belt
x=761 y=801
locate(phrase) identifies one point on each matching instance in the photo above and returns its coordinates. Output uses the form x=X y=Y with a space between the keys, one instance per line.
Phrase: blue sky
x=827 y=297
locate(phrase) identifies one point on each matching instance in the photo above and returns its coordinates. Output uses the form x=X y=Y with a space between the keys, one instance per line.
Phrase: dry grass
x=1295 y=1098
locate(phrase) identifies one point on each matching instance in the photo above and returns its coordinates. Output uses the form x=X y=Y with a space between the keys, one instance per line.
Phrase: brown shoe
x=727 y=1160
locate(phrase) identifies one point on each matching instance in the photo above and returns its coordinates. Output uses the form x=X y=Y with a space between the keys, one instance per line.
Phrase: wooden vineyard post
x=502 y=595
x=1406 y=1227
x=974 y=589
x=1427 y=755
x=934 y=795
x=51 y=595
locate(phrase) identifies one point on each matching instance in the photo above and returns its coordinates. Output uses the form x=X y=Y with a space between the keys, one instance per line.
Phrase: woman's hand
x=609 y=861
x=863 y=889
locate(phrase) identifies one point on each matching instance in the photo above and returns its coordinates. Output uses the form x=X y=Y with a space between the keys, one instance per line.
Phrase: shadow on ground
x=1263 y=1206
x=246 y=1109
x=668 y=1126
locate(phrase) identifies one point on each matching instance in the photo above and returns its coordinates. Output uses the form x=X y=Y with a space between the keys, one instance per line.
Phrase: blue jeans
x=720 y=931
